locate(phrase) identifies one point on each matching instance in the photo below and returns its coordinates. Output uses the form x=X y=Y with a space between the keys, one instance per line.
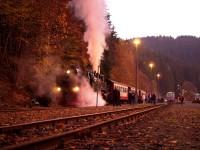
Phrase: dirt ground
x=174 y=127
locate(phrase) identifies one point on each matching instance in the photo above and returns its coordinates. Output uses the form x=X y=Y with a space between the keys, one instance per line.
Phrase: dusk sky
x=139 y=18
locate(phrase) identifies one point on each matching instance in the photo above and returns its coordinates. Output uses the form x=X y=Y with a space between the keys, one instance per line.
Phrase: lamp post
x=151 y=66
x=158 y=78
x=136 y=42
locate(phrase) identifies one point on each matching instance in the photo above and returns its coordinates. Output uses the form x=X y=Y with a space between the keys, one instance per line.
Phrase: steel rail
x=32 y=109
x=53 y=141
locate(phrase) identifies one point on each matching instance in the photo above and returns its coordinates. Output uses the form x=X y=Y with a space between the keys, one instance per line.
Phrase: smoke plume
x=87 y=96
x=93 y=13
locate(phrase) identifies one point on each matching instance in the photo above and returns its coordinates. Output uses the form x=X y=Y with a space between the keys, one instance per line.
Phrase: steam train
x=68 y=86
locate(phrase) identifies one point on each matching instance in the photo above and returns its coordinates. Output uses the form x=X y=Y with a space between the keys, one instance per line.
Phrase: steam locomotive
x=67 y=87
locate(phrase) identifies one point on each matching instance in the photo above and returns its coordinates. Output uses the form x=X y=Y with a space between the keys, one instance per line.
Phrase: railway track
x=48 y=134
x=31 y=109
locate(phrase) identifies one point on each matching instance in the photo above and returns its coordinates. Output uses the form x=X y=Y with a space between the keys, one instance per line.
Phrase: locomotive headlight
x=75 y=89
x=68 y=71
x=58 y=89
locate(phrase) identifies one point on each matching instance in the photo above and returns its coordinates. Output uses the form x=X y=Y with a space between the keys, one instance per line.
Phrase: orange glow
x=151 y=65
x=68 y=71
x=158 y=75
x=57 y=89
x=137 y=42
x=75 y=89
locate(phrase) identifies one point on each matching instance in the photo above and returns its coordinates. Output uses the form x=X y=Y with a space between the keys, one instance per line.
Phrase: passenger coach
x=123 y=88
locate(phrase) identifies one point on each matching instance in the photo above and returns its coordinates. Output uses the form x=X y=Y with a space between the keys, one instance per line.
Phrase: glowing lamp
x=158 y=75
x=75 y=89
x=137 y=42
x=151 y=65
x=68 y=71
x=58 y=89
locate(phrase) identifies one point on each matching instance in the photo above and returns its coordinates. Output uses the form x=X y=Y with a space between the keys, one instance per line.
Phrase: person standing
x=129 y=96
x=143 y=98
x=182 y=99
x=139 y=97
x=132 y=98
x=153 y=98
x=115 y=97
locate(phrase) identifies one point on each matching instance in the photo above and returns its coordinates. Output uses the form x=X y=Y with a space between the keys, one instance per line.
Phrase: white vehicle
x=197 y=96
x=170 y=96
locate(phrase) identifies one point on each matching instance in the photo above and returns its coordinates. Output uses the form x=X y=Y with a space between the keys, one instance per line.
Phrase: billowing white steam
x=87 y=96
x=93 y=13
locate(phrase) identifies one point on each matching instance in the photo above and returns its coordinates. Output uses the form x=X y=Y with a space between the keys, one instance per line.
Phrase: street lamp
x=158 y=76
x=158 y=86
x=136 y=42
x=151 y=65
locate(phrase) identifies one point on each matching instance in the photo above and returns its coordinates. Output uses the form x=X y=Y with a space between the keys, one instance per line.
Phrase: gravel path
x=175 y=127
